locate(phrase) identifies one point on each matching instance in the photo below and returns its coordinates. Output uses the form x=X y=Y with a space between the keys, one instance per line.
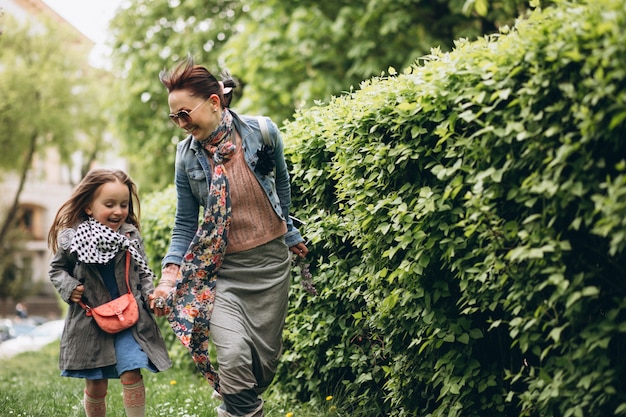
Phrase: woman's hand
x=77 y=293
x=167 y=282
x=300 y=249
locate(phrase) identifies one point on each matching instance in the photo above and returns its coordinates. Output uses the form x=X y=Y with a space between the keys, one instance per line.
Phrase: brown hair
x=72 y=212
x=197 y=79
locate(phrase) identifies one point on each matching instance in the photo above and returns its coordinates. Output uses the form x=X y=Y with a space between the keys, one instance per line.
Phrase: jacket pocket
x=198 y=183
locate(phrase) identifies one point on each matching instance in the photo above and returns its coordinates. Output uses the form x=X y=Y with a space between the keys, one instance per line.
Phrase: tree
x=302 y=51
x=286 y=54
x=149 y=37
x=47 y=105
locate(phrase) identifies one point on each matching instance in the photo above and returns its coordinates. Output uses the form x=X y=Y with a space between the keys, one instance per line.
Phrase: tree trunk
x=13 y=210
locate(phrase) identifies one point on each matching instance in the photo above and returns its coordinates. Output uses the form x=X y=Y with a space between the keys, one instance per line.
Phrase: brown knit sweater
x=253 y=220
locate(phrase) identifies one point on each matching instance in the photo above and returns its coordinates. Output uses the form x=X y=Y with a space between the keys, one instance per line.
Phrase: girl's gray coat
x=83 y=344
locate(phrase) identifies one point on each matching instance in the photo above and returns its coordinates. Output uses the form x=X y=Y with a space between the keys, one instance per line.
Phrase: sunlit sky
x=91 y=17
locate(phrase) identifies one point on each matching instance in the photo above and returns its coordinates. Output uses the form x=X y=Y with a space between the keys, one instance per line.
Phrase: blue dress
x=127 y=351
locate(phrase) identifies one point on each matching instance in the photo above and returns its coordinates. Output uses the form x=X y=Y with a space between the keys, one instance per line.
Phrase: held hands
x=167 y=282
x=77 y=293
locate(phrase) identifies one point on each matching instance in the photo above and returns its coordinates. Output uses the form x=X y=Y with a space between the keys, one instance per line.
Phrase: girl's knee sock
x=134 y=394
x=95 y=406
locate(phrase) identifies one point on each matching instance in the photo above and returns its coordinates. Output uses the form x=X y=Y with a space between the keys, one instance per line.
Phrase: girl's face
x=110 y=204
x=202 y=116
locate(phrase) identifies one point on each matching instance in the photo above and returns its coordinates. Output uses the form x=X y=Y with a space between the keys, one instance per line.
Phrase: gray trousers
x=247 y=323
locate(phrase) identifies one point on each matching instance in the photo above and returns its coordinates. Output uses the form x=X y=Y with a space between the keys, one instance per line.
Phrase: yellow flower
x=290 y=414
x=330 y=397
x=172 y=382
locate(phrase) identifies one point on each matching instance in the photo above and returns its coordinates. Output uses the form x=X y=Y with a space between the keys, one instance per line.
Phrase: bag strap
x=87 y=308
x=264 y=130
x=266 y=139
x=128 y=269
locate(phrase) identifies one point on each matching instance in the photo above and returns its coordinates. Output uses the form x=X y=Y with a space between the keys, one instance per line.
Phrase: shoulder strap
x=87 y=308
x=264 y=130
x=127 y=269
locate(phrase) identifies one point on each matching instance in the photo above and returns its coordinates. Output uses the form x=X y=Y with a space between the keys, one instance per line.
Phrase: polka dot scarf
x=95 y=243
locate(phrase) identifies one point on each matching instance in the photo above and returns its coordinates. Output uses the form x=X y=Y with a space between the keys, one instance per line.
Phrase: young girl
x=89 y=237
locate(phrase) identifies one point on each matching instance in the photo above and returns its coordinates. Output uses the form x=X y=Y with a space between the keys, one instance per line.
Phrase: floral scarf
x=221 y=133
x=190 y=303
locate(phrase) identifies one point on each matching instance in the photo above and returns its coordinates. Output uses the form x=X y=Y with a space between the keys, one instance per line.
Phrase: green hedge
x=467 y=221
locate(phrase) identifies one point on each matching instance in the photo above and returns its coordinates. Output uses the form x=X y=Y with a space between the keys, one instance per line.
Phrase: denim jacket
x=193 y=168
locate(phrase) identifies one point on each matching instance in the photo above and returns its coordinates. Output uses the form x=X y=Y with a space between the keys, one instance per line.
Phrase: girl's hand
x=77 y=293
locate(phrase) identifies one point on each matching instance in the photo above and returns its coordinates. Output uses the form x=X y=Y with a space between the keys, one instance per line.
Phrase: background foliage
x=286 y=55
x=467 y=219
x=50 y=104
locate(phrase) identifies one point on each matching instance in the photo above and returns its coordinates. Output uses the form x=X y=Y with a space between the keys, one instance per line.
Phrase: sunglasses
x=184 y=115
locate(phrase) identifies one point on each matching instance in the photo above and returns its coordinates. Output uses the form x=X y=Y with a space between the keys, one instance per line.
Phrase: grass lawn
x=30 y=386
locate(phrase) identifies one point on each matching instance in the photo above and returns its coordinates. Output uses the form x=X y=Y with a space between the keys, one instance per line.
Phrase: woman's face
x=194 y=114
x=110 y=204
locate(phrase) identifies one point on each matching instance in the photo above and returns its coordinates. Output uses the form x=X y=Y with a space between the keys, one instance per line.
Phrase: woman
x=234 y=269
